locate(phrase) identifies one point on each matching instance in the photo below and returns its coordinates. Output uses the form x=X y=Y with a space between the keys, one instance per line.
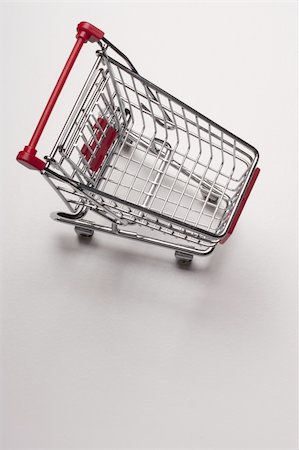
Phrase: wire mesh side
x=167 y=158
x=121 y=214
x=173 y=161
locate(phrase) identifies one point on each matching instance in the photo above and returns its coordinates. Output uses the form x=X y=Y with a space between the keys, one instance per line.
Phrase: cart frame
x=97 y=158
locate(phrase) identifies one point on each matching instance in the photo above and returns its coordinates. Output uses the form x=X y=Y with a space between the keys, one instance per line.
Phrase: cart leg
x=183 y=258
x=83 y=232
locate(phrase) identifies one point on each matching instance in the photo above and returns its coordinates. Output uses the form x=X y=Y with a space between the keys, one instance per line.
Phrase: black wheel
x=183 y=258
x=212 y=198
x=82 y=232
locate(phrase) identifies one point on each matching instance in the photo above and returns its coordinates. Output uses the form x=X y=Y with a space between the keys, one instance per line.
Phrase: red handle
x=239 y=209
x=27 y=157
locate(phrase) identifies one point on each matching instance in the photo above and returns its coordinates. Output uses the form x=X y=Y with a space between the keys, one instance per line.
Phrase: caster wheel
x=129 y=142
x=184 y=259
x=211 y=199
x=85 y=233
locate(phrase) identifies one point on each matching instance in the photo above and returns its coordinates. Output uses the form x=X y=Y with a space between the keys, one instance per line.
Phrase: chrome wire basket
x=137 y=156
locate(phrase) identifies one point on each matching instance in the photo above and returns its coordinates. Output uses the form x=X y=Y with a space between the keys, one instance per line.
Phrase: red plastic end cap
x=89 y=32
x=244 y=199
x=28 y=159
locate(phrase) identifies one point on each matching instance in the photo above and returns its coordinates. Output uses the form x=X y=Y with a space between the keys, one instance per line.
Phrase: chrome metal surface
x=170 y=170
x=81 y=223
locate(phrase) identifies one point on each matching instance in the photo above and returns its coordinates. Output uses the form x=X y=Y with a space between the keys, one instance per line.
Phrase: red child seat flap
x=100 y=127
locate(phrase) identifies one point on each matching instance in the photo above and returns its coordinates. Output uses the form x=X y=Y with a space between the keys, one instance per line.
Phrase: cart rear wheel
x=212 y=198
x=82 y=232
x=183 y=258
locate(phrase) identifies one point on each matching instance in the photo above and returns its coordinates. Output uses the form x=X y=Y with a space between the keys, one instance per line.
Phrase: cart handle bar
x=27 y=156
x=243 y=200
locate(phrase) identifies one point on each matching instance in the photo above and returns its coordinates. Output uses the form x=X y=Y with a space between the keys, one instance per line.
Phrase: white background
x=110 y=344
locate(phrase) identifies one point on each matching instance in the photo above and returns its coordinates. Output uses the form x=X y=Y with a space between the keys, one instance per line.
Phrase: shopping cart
x=155 y=169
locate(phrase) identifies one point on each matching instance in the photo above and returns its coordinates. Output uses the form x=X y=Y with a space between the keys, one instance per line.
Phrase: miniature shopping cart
x=144 y=165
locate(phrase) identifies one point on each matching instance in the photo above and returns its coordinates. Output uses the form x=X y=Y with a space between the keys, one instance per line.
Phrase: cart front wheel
x=82 y=232
x=212 y=198
x=183 y=258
